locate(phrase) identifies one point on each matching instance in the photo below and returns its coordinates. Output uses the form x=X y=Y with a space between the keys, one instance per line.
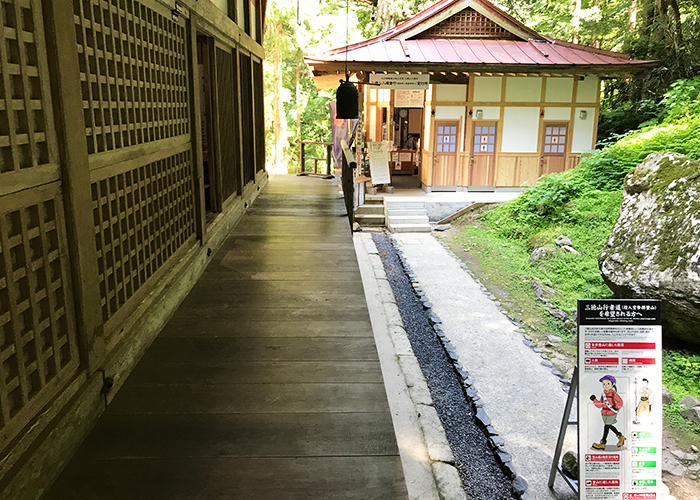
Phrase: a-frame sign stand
x=566 y=421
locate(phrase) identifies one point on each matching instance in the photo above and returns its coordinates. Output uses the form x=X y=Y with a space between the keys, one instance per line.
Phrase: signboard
x=379 y=162
x=400 y=81
x=619 y=387
x=409 y=98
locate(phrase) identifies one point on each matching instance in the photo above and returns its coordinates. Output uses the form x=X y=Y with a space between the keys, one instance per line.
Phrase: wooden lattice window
x=248 y=123
x=38 y=348
x=259 y=104
x=555 y=139
x=25 y=109
x=228 y=123
x=484 y=138
x=468 y=24
x=133 y=68
x=142 y=217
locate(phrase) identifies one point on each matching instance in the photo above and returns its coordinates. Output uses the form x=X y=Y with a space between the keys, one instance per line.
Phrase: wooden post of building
x=196 y=129
x=329 y=153
x=301 y=157
x=75 y=173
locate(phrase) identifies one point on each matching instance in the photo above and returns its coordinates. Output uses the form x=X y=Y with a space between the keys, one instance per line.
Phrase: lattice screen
x=134 y=73
x=229 y=150
x=467 y=24
x=247 y=119
x=37 y=333
x=23 y=138
x=259 y=116
x=141 y=217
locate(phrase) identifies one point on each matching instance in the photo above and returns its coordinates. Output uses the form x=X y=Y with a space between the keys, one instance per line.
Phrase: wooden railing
x=303 y=158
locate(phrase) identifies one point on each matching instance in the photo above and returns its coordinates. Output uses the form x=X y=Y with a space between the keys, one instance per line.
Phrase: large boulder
x=654 y=249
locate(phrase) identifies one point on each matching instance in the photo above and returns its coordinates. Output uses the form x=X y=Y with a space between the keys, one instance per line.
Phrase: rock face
x=654 y=249
x=542 y=253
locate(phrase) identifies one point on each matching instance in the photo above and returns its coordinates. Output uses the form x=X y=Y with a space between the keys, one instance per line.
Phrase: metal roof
x=397 y=51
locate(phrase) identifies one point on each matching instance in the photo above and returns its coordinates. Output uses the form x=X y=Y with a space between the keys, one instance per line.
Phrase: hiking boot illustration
x=599 y=446
x=620 y=440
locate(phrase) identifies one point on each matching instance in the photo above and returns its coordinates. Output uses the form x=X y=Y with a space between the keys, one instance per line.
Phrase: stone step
x=411 y=228
x=408 y=219
x=406 y=205
x=370 y=220
x=393 y=212
x=370 y=210
x=374 y=200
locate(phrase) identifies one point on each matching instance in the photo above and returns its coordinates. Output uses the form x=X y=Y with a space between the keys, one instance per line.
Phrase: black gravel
x=480 y=472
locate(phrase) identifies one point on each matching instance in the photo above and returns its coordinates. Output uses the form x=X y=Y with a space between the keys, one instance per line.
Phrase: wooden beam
x=75 y=175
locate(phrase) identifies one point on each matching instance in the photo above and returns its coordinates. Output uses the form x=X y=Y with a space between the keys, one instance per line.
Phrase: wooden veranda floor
x=266 y=382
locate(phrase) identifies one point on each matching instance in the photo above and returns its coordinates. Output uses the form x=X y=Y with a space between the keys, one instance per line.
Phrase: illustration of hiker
x=644 y=405
x=610 y=404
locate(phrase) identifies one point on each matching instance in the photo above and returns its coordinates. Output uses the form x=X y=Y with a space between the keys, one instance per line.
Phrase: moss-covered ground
x=583 y=204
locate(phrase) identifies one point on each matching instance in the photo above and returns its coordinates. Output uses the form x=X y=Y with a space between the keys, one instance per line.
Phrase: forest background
x=664 y=30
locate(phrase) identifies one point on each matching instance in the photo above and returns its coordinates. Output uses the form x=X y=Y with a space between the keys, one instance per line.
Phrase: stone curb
x=445 y=474
x=504 y=459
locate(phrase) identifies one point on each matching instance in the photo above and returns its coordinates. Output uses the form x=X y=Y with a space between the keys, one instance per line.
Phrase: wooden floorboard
x=265 y=384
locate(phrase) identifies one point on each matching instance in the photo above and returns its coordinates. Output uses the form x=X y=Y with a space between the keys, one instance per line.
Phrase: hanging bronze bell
x=347 y=99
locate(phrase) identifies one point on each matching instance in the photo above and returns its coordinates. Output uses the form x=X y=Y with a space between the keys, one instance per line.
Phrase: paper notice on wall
x=620 y=411
x=379 y=162
x=409 y=98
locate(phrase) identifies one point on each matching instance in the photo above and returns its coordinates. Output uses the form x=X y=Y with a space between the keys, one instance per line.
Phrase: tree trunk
x=577 y=21
x=634 y=8
x=278 y=120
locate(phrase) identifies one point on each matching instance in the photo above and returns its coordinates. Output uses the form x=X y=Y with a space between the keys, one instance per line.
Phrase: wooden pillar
x=75 y=174
x=196 y=129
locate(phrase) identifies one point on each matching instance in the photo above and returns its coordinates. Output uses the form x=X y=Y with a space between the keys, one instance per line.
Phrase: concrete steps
x=407 y=217
x=371 y=214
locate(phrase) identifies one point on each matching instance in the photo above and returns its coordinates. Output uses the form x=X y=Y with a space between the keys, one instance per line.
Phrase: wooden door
x=446 y=153
x=554 y=148
x=483 y=161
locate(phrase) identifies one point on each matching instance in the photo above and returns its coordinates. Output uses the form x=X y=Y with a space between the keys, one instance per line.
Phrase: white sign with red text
x=619 y=388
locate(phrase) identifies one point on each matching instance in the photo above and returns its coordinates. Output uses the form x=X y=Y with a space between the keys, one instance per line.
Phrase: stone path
x=523 y=398
x=265 y=384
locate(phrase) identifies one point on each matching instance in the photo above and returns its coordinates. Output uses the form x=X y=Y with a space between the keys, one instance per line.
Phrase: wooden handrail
x=303 y=157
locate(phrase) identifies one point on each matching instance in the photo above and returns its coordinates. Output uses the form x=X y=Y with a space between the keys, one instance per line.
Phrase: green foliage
x=681 y=376
x=548 y=202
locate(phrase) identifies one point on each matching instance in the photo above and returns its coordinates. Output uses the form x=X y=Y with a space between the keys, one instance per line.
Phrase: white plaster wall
x=563 y=114
x=520 y=130
x=487 y=88
x=587 y=90
x=490 y=112
x=222 y=5
x=452 y=113
x=241 y=13
x=582 y=137
x=523 y=89
x=559 y=89
x=450 y=93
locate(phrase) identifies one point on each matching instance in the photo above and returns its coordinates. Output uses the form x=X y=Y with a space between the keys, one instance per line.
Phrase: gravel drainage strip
x=483 y=464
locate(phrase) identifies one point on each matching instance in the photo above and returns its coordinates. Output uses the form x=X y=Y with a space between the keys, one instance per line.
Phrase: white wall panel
x=587 y=90
x=450 y=93
x=222 y=5
x=487 y=88
x=583 y=130
x=559 y=90
x=563 y=114
x=489 y=112
x=520 y=130
x=523 y=89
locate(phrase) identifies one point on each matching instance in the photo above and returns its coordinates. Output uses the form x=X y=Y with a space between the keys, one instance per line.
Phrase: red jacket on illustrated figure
x=613 y=399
